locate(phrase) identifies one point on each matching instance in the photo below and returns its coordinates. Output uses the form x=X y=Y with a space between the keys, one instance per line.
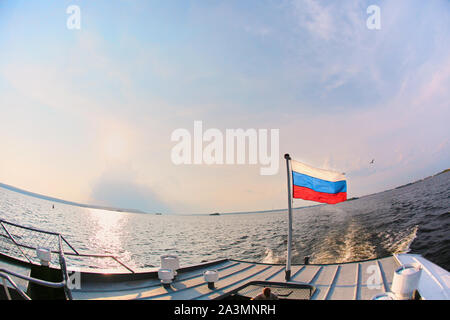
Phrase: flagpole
x=289 y=244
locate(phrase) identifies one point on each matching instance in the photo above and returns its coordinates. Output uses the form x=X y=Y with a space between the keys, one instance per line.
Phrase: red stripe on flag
x=308 y=194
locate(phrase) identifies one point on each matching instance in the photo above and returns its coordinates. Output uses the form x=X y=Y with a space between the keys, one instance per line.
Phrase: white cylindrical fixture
x=44 y=255
x=384 y=296
x=165 y=275
x=211 y=276
x=170 y=262
x=406 y=280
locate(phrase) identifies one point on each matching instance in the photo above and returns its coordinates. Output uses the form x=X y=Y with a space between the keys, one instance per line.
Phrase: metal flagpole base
x=288 y=275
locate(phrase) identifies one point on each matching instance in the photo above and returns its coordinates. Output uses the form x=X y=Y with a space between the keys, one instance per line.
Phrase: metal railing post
x=62 y=262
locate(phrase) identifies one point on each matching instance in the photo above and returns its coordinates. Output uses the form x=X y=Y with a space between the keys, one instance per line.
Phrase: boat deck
x=348 y=281
x=361 y=280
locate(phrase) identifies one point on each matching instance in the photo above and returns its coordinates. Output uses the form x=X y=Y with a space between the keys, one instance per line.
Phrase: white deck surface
x=359 y=280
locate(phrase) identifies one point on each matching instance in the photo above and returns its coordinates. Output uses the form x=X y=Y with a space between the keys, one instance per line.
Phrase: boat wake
x=358 y=243
x=414 y=218
x=271 y=257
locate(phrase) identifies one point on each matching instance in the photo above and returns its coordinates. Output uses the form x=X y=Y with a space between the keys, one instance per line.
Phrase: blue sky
x=86 y=115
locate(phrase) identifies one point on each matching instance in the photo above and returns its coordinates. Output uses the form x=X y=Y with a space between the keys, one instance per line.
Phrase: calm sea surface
x=414 y=218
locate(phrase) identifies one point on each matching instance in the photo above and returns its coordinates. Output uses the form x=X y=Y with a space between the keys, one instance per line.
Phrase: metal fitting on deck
x=211 y=276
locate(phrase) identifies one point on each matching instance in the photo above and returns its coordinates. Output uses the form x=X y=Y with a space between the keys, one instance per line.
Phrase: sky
x=87 y=114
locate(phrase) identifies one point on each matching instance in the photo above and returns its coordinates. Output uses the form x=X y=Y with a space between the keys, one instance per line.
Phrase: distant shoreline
x=40 y=196
x=71 y=203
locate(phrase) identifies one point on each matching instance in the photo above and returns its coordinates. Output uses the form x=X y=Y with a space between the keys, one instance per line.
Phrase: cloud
x=118 y=188
x=97 y=107
x=317 y=19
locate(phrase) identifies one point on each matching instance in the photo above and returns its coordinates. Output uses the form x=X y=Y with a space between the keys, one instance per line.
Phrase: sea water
x=414 y=218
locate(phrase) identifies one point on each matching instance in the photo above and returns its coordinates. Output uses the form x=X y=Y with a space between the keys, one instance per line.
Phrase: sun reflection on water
x=108 y=226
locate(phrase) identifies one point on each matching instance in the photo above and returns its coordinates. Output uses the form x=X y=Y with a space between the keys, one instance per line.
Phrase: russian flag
x=317 y=184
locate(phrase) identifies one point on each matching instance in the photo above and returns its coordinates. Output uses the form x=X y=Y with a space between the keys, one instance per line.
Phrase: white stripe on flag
x=316 y=173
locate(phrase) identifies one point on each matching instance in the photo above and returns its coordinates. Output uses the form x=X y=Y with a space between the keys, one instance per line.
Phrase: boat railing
x=22 y=242
x=5 y=275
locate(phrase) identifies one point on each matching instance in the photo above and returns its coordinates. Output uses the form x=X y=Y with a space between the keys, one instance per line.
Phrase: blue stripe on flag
x=319 y=185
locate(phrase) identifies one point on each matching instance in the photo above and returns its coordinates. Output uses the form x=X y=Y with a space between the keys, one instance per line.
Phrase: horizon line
x=129 y=210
